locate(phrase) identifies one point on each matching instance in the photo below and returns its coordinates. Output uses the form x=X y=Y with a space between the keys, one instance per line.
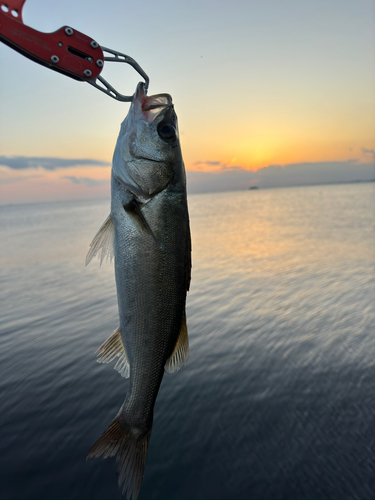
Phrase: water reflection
x=277 y=399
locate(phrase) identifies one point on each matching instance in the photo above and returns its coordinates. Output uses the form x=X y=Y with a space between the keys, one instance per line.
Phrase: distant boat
x=253 y=187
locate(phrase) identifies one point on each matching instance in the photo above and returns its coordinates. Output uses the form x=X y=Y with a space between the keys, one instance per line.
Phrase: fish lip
x=140 y=90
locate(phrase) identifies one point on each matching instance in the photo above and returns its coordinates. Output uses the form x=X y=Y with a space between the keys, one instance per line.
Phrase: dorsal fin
x=102 y=242
x=180 y=353
x=188 y=259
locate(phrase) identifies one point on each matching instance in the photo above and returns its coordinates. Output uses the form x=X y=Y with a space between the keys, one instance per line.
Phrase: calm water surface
x=278 y=397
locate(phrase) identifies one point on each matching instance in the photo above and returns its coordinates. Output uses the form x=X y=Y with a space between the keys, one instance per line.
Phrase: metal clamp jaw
x=66 y=50
x=106 y=87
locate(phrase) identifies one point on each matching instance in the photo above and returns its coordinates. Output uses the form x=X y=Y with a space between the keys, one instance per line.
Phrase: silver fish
x=149 y=231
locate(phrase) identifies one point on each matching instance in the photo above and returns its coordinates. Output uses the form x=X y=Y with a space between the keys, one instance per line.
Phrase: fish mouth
x=149 y=107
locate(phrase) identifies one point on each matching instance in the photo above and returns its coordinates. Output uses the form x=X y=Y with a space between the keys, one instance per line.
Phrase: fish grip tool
x=66 y=50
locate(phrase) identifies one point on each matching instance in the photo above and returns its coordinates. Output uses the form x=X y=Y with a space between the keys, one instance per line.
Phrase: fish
x=148 y=234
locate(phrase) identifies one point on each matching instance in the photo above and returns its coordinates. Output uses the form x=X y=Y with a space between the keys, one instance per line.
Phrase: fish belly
x=151 y=289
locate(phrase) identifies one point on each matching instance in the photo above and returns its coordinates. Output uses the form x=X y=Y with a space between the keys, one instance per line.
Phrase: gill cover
x=147 y=145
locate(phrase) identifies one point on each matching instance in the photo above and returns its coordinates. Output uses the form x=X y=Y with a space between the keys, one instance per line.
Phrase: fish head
x=148 y=154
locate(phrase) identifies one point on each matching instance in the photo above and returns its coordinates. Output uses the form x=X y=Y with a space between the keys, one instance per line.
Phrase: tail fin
x=130 y=445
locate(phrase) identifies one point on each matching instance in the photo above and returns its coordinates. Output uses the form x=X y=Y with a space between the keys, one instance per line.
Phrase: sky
x=271 y=93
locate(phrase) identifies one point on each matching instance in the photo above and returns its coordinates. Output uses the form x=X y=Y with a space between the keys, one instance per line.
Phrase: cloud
x=368 y=152
x=232 y=178
x=231 y=167
x=212 y=163
x=11 y=180
x=87 y=181
x=47 y=163
x=222 y=166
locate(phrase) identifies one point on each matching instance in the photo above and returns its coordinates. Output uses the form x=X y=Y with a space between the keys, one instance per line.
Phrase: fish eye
x=167 y=131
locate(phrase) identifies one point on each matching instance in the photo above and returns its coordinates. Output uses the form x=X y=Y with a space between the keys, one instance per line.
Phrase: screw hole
x=4 y=8
x=15 y=13
x=60 y=44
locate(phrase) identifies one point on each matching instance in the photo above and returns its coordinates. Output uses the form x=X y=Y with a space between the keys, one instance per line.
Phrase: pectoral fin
x=133 y=207
x=102 y=242
x=112 y=348
x=180 y=354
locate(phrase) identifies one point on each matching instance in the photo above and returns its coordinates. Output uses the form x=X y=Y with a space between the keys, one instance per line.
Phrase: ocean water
x=278 y=397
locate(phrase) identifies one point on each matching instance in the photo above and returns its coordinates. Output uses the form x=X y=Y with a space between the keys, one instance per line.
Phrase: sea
x=277 y=400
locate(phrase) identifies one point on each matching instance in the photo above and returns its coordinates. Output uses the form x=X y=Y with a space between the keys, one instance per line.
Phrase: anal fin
x=114 y=347
x=180 y=353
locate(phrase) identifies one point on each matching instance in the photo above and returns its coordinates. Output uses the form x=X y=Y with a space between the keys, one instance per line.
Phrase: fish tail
x=129 y=445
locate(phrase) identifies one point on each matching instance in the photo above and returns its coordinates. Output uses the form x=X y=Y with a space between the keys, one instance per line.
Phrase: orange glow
x=269 y=145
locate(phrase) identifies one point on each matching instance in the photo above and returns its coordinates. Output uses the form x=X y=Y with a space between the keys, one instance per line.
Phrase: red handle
x=13 y=8
x=66 y=50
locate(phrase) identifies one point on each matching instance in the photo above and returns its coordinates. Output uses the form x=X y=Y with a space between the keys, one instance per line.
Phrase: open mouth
x=150 y=106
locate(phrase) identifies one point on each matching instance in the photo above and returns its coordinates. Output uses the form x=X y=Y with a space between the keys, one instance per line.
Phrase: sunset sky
x=255 y=84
